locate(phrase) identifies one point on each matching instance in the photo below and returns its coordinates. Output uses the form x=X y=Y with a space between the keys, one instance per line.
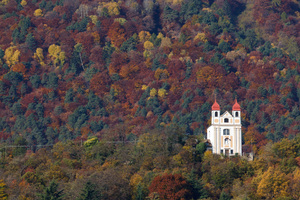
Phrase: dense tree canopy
x=109 y=99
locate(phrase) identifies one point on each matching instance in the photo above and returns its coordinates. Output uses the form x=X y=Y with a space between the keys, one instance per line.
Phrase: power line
x=49 y=145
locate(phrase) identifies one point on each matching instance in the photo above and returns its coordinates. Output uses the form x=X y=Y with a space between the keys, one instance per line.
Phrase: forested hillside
x=115 y=97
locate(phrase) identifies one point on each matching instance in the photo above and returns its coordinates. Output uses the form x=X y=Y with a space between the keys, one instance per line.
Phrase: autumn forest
x=105 y=99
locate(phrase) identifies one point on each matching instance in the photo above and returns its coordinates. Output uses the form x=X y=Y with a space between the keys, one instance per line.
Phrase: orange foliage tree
x=116 y=33
x=100 y=83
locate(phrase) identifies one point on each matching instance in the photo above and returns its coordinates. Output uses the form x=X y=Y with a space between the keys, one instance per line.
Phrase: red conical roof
x=236 y=106
x=215 y=106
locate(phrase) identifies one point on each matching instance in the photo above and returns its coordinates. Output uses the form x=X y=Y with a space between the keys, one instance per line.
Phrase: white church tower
x=225 y=132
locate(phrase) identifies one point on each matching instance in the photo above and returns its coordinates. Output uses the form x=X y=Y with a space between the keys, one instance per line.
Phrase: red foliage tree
x=86 y=39
x=170 y=186
x=96 y=55
x=100 y=83
x=117 y=61
x=116 y=33
x=176 y=69
x=261 y=10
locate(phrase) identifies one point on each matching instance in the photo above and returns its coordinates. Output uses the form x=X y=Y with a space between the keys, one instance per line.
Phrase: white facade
x=225 y=132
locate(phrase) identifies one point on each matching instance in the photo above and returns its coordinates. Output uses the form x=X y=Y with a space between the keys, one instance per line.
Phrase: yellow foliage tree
x=91 y=142
x=295 y=186
x=205 y=74
x=121 y=21
x=3 y=194
x=4 y=2
x=153 y=92
x=149 y=144
x=135 y=180
x=176 y=2
x=148 y=45
x=160 y=36
x=94 y=19
x=162 y=92
x=12 y=55
x=56 y=54
x=38 y=12
x=165 y=42
x=201 y=37
x=113 y=8
x=273 y=184
x=147 y=54
x=62 y=57
x=38 y=55
x=96 y=37
x=161 y=74
x=184 y=157
x=287 y=148
x=144 y=87
x=23 y=3
x=56 y=172
x=144 y=36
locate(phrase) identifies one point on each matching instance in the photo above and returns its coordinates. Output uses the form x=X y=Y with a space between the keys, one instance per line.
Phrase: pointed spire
x=236 y=106
x=215 y=106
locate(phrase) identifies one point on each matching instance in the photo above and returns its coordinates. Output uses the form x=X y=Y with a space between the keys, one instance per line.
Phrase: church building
x=225 y=132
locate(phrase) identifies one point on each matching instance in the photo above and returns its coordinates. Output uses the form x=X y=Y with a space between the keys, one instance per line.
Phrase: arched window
x=226 y=120
x=216 y=114
x=236 y=114
x=226 y=132
x=227 y=141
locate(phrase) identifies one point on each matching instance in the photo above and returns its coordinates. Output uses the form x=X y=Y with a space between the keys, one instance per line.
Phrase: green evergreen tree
x=17 y=109
x=40 y=136
x=58 y=110
x=52 y=80
x=97 y=126
x=24 y=24
x=69 y=96
x=76 y=65
x=140 y=193
x=52 y=192
x=30 y=41
x=49 y=6
x=169 y=14
x=262 y=91
x=224 y=46
x=39 y=109
x=42 y=4
x=89 y=192
x=35 y=81
x=198 y=190
x=108 y=49
x=51 y=135
x=143 y=112
x=130 y=44
x=93 y=101
x=224 y=196
x=20 y=141
x=227 y=9
x=13 y=93
x=24 y=89
x=1 y=53
x=16 y=35
x=19 y=125
x=145 y=95
x=189 y=8
x=14 y=77
x=251 y=40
